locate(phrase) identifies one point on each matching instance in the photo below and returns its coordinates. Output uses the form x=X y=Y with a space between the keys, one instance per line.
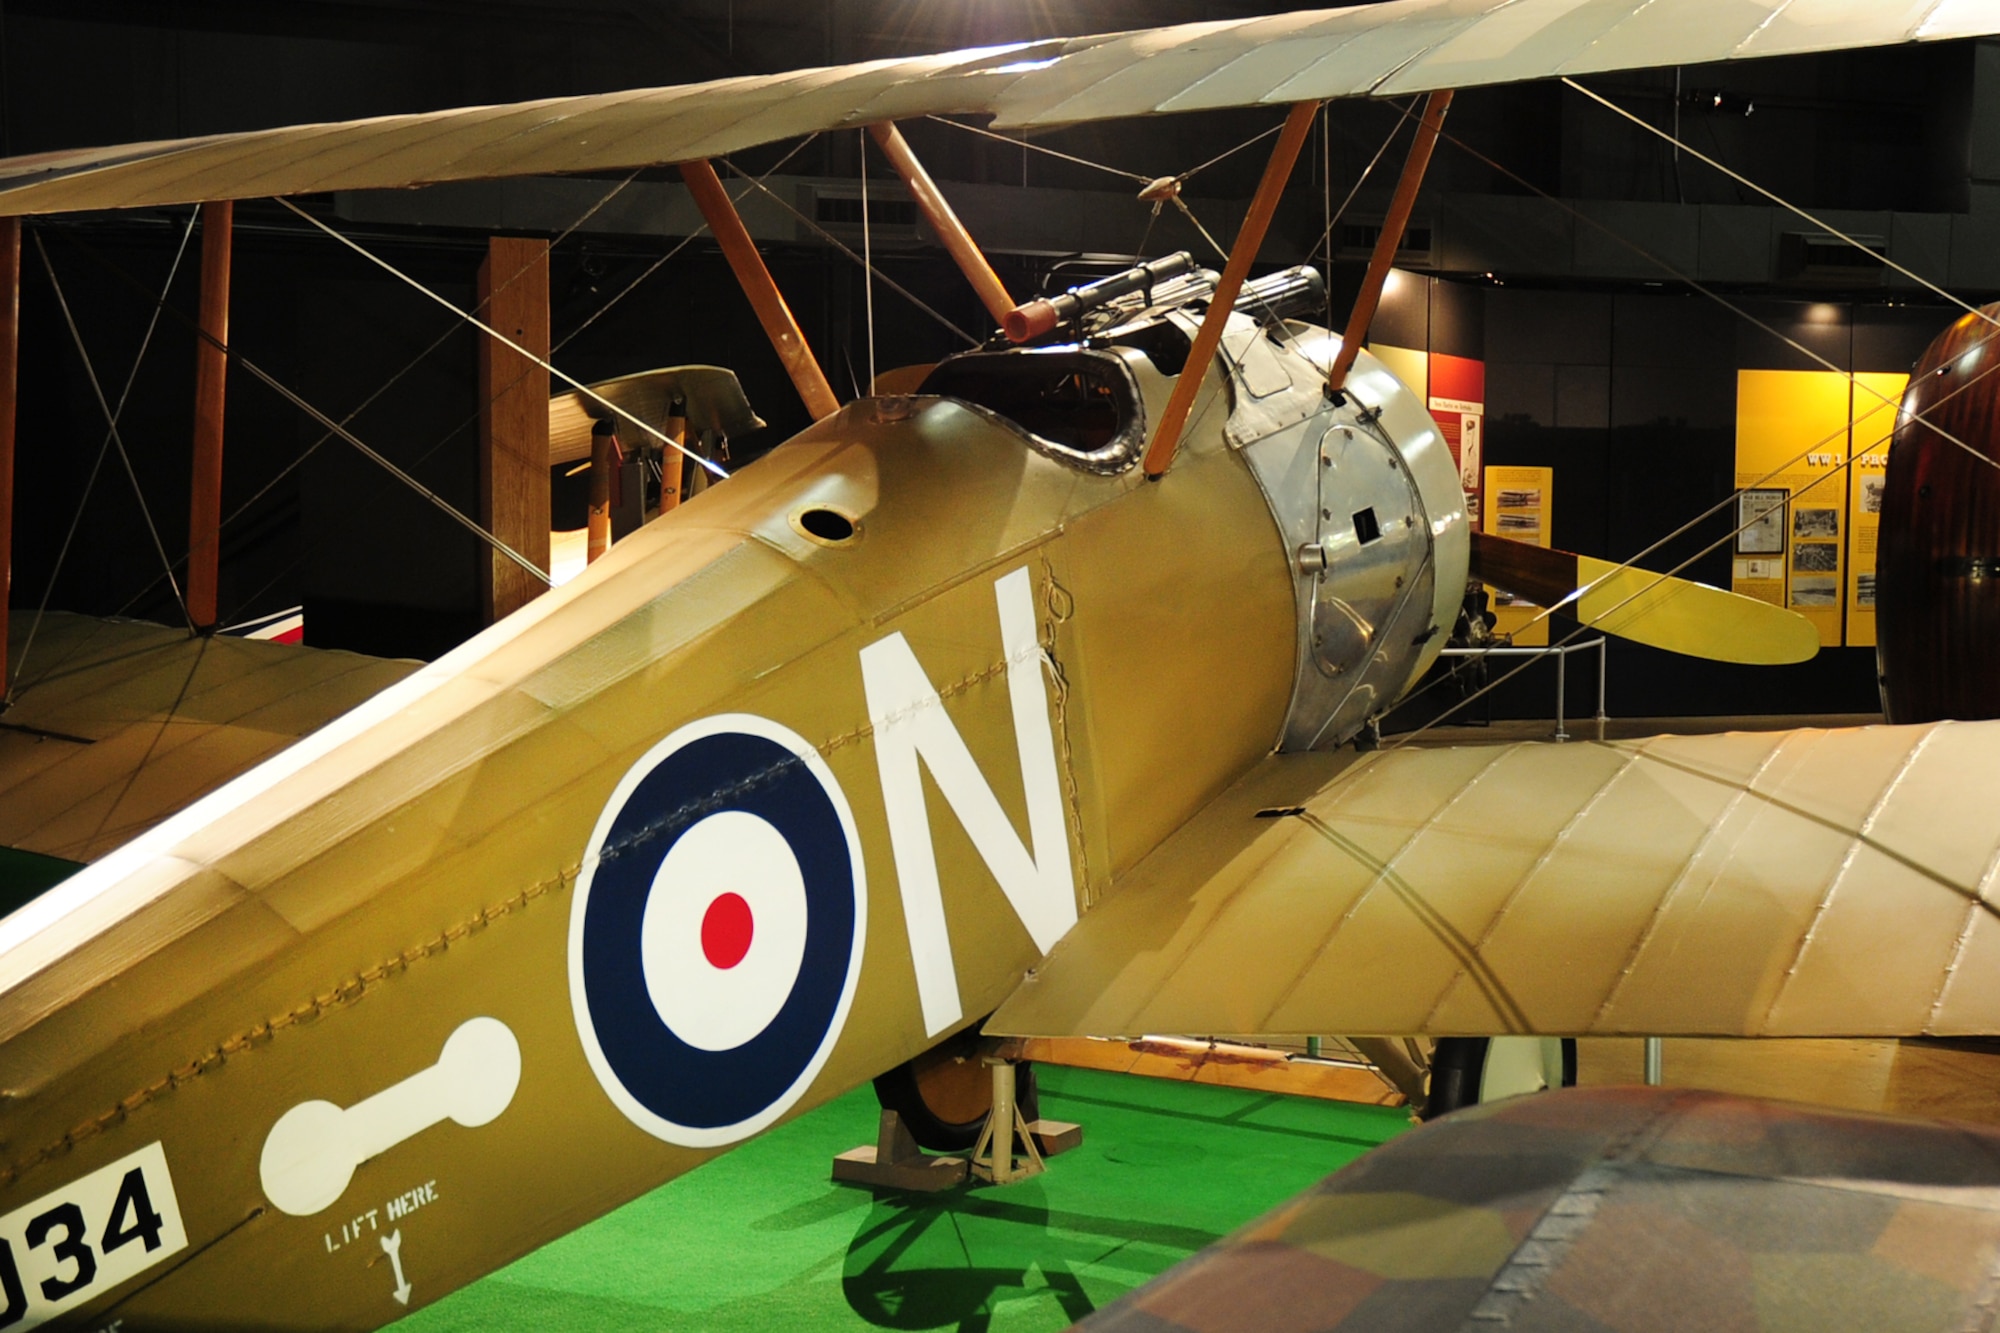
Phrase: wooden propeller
x=1657 y=609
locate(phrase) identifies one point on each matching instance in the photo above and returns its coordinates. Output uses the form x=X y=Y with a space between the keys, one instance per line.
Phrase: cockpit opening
x=1080 y=405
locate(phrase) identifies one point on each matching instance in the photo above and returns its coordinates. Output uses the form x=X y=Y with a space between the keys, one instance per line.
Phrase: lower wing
x=1814 y=883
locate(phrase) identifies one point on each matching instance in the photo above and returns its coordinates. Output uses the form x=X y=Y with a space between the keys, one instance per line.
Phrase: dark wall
x=309 y=519
x=1631 y=399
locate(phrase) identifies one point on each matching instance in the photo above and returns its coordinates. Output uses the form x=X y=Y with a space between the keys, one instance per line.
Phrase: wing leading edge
x=1835 y=883
x=1394 y=48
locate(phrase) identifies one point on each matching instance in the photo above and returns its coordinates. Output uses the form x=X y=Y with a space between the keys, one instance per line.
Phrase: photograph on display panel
x=1760 y=522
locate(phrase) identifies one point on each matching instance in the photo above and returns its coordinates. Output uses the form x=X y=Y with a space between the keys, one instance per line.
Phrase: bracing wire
x=839 y=245
x=985 y=133
x=683 y=244
x=111 y=424
x=1730 y=499
x=867 y=263
x=450 y=331
x=76 y=519
x=1783 y=203
x=502 y=339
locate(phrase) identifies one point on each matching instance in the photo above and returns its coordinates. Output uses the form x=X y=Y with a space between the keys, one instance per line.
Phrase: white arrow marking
x=313 y=1150
x=392 y=1245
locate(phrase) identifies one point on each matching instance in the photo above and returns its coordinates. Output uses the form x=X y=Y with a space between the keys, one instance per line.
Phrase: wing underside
x=1835 y=883
x=1397 y=48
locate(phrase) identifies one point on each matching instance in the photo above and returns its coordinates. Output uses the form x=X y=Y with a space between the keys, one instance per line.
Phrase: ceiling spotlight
x=1721 y=102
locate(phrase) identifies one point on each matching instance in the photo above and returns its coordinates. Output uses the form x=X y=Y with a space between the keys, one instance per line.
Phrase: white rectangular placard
x=73 y=1245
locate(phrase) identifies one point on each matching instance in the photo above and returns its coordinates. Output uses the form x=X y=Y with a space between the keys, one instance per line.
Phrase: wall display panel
x=1522 y=509
x=1457 y=399
x=1792 y=430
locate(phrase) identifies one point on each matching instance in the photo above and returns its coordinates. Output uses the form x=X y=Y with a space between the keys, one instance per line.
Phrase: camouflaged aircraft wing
x=1396 y=48
x=1783 y=884
x=1614 y=1209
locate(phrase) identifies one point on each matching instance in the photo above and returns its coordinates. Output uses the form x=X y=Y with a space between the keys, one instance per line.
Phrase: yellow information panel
x=1520 y=505
x=1876 y=398
x=1806 y=521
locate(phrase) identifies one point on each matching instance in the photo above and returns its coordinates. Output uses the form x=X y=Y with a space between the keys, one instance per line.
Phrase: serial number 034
x=89 y=1236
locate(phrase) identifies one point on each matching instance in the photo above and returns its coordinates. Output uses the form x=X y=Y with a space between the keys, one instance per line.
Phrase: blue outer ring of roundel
x=673 y=1090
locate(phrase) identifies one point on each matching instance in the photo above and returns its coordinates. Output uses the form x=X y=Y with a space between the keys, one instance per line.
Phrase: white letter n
x=910 y=721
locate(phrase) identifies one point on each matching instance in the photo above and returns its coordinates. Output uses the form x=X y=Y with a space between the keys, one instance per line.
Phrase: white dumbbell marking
x=313 y=1150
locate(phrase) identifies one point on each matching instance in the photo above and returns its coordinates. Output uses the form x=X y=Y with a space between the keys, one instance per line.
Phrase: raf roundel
x=715 y=937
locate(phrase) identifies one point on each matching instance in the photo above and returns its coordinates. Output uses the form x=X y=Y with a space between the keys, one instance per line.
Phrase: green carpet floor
x=760 y=1239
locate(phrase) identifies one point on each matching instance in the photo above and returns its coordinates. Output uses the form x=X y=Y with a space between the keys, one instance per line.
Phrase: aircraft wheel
x=1468 y=1070
x=945 y=1094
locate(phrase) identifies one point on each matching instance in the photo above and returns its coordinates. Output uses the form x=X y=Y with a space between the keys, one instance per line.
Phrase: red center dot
x=726 y=929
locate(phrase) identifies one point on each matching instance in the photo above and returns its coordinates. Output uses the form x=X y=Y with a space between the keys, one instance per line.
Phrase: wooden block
x=923 y=1174
x=1055 y=1136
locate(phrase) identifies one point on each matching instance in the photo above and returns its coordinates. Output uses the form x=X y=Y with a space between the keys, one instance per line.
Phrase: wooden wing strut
x=957 y=241
x=1167 y=436
x=1391 y=238
x=772 y=312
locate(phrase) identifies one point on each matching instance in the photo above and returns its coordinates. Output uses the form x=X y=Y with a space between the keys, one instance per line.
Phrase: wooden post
x=1391 y=238
x=1167 y=437
x=604 y=460
x=514 y=419
x=10 y=332
x=673 y=463
x=755 y=279
x=937 y=211
x=211 y=365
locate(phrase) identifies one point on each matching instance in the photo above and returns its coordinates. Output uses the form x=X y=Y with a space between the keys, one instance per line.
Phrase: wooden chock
x=894 y=1161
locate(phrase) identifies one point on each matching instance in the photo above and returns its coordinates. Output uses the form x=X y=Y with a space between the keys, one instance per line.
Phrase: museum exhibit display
x=572 y=736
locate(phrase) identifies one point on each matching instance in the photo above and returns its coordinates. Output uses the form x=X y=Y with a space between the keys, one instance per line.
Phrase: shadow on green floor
x=759 y=1239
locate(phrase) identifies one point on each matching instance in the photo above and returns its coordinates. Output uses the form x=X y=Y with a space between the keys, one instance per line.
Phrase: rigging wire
x=837 y=244
x=412 y=364
x=76 y=519
x=111 y=422
x=1781 y=202
x=500 y=338
x=445 y=506
x=450 y=330
x=1335 y=215
x=251 y=368
x=985 y=133
x=867 y=262
x=1732 y=498
x=1667 y=267
x=683 y=244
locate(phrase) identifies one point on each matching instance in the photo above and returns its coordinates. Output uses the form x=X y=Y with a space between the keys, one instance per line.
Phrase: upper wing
x=1404 y=46
x=1795 y=884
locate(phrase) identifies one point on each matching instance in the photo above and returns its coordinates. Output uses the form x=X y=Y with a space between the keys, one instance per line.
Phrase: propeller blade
x=1656 y=609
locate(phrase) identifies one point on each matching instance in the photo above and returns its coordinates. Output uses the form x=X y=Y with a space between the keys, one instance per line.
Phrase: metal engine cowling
x=1367 y=499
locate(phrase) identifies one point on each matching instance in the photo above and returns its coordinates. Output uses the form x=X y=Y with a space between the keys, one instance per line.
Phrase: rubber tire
x=897 y=1091
x=1458 y=1064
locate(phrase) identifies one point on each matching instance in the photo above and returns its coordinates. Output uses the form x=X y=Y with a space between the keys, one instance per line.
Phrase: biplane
x=1016 y=703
